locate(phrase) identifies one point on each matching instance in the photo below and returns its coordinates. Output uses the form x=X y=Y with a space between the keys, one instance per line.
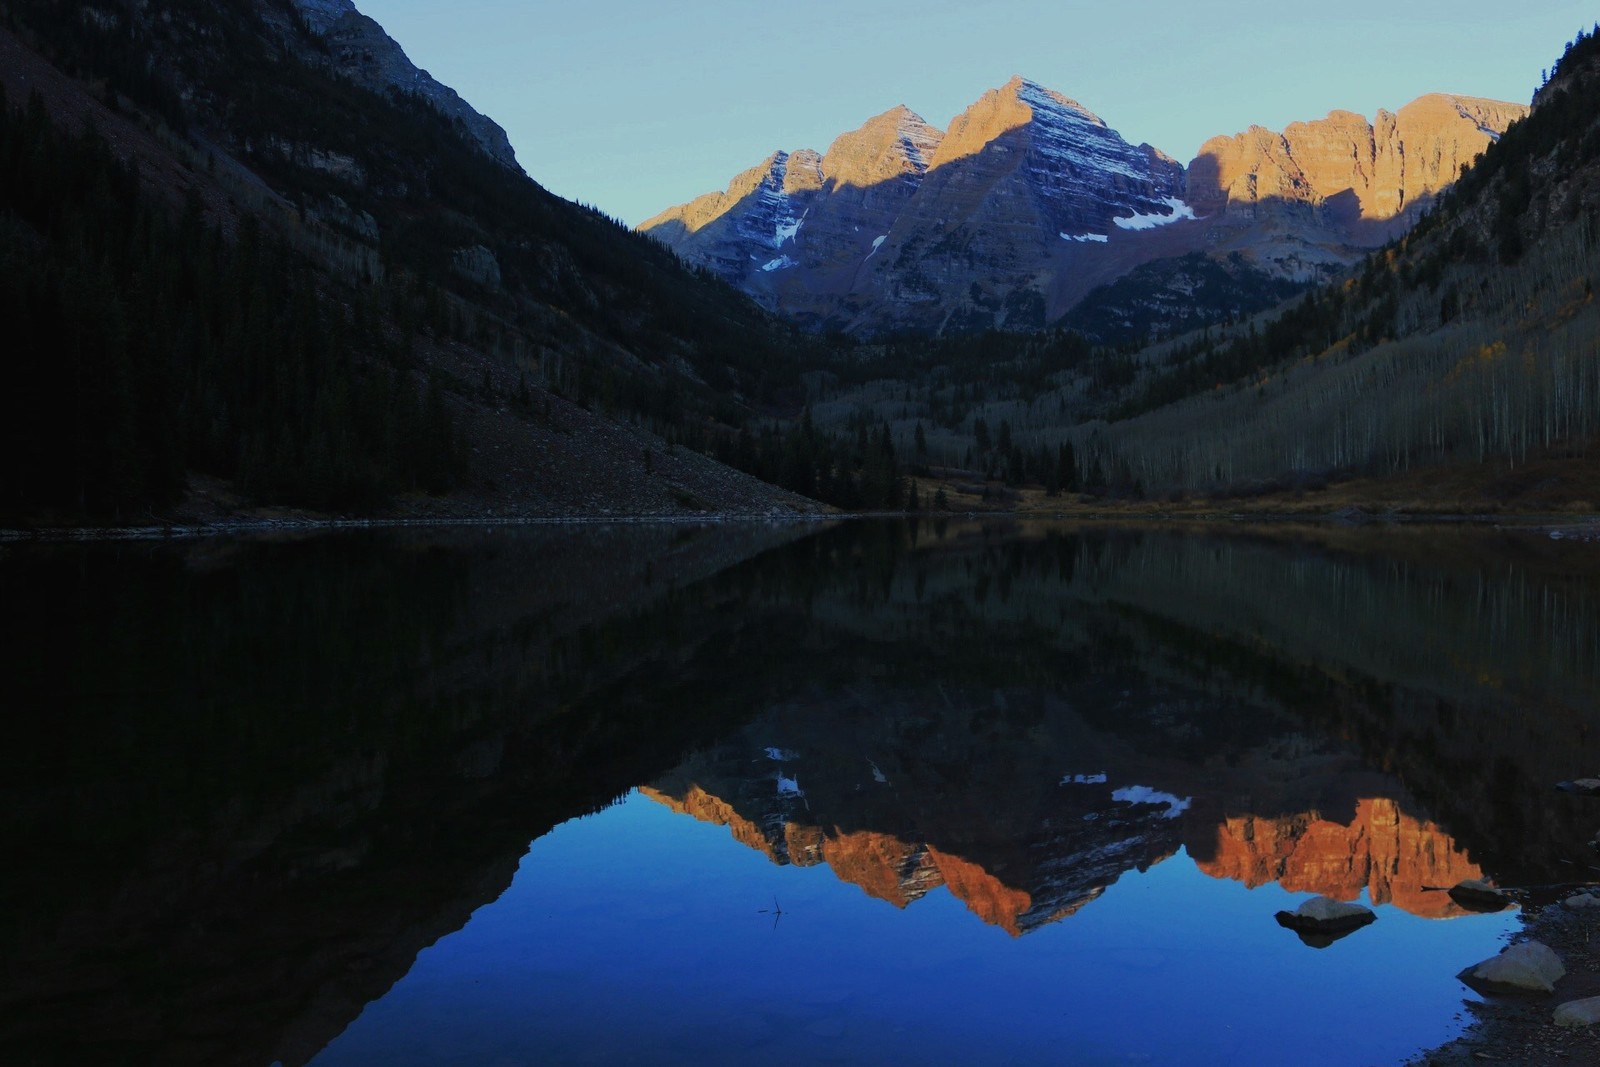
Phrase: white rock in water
x=1530 y=965
x=1328 y=910
x=1579 y=1012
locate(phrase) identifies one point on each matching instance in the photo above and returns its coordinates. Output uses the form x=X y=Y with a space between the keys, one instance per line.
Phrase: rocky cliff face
x=364 y=53
x=1300 y=200
x=1030 y=201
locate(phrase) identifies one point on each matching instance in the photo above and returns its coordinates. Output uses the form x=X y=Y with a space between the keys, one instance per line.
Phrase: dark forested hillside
x=224 y=258
x=1177 y=295
x=1475 y=338
x=143 y=344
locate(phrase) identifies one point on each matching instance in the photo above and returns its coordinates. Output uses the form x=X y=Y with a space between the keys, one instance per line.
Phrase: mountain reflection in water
x=260 y=778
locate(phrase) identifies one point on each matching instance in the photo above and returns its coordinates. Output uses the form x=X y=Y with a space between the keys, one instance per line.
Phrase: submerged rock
x=1476 y=895
x=1321 y=921
x=1530 y=967
x=1579 y=1012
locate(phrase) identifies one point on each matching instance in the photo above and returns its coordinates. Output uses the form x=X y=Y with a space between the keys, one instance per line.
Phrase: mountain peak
x=1029 y=200
x=1053 y=104
x=1020 y=103
x=896 y=143
x=899 y=117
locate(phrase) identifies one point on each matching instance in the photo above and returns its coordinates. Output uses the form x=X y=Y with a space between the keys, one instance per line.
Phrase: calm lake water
x=874 y=793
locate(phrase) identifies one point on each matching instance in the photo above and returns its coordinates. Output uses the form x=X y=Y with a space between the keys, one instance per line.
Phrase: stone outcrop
x=1030 y=201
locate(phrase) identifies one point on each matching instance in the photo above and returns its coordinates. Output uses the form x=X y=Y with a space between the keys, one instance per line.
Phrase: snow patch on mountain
x=1066 y=132
x=918 y=140
x=1177 y=211
x=771 y=221
x=1466 y=113
x=1097 y=237
x=788 y=229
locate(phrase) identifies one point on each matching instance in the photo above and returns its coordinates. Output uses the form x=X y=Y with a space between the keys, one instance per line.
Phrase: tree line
x=143 y=345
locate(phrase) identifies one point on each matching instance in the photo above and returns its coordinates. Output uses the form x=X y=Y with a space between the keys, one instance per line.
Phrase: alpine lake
x=869 y=792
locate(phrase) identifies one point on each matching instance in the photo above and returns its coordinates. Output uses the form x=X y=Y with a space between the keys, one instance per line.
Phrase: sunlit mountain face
x=1029 y=203
x=810 y=780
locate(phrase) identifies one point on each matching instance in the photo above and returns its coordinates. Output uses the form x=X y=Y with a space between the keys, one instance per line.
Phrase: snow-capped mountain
x=805 y=215
x=1030 y=201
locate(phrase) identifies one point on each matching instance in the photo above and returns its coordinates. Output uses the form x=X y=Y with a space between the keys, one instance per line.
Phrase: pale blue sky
x=635 y=105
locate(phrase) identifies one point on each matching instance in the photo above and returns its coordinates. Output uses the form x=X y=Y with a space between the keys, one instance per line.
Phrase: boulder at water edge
x=1530 y=967
x=1579 y=1012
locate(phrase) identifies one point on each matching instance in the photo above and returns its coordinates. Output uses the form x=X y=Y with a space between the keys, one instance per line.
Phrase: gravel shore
x=1519 y=1029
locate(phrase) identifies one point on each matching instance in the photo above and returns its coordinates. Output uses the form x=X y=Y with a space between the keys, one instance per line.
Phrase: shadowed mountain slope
x=407 y=320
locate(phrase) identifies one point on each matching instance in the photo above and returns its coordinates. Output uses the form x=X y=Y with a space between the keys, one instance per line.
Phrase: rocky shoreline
x=186 y=531
x=1520 y=1028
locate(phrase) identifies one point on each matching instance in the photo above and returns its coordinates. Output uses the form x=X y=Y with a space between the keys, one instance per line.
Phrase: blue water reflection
x=1010 y=784
x=639 y=935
